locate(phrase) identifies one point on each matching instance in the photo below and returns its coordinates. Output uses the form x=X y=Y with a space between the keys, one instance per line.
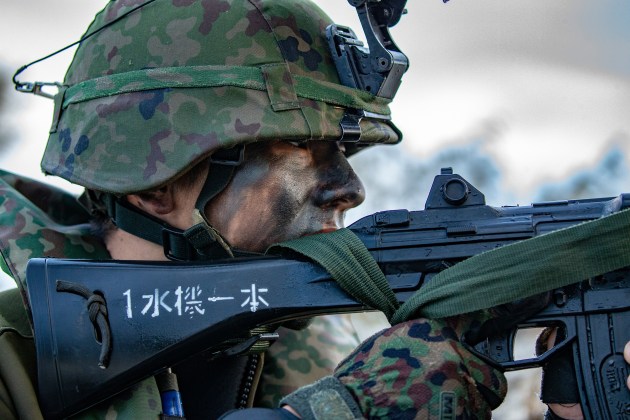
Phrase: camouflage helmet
x=162 y=88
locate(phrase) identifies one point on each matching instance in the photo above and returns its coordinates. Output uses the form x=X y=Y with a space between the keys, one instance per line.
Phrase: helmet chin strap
x=202 y=236
x=197 y=243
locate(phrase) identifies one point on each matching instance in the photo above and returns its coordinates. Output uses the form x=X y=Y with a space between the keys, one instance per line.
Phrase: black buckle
x=232 y=157
x=350 y=128
x=176 y=247
x=350 y=123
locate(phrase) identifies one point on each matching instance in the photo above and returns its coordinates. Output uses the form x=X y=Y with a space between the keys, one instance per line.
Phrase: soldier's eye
x=300 y=144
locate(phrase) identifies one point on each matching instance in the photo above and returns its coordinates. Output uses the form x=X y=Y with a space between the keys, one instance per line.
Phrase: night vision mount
x=379 y=68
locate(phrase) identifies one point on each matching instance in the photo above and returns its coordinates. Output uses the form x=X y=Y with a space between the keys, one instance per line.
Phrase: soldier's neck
x=125 y=246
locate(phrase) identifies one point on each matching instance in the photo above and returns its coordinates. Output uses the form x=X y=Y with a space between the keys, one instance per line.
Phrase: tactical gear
x=162 y=89
x=36 y=220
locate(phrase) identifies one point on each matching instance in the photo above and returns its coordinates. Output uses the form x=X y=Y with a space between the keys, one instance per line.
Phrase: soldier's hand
x=420 y=369
x=564 y=408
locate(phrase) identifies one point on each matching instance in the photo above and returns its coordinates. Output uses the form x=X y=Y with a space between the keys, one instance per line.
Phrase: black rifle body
x=161 y=313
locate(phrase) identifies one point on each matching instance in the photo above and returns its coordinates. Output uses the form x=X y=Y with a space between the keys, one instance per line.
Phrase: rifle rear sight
x=451 y=190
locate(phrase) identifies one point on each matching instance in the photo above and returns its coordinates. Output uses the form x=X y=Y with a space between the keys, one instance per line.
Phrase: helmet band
x=219 y=76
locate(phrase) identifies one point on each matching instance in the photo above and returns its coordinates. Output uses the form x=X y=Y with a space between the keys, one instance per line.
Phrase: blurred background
x=528 y=100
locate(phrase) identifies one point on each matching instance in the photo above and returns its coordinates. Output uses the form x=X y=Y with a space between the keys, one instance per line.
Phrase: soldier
x=209 y=129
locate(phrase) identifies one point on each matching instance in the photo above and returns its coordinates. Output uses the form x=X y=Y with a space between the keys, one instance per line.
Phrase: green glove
x=420 y=369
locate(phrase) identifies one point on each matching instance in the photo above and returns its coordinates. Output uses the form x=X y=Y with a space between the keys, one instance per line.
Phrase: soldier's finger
x=626 y=355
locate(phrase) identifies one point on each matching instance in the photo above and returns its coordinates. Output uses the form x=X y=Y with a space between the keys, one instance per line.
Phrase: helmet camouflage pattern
x=161 y=89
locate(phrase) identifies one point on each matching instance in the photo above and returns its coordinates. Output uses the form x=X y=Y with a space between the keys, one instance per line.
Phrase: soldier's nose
x=339 y=187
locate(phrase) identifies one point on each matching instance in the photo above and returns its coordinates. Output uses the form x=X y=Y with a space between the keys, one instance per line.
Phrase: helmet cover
x=161 y=89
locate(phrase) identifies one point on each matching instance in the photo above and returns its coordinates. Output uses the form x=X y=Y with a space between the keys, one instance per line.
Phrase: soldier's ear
x=158 y=202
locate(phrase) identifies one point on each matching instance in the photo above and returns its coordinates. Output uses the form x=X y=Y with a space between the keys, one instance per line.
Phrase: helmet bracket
x=379 y=68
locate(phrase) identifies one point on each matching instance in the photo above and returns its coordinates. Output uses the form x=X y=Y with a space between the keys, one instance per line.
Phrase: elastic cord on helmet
x=36 y=87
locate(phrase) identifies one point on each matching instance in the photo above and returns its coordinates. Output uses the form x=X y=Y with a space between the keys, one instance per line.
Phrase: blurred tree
x=395 y=178
x=5 y=281
x=609 y=177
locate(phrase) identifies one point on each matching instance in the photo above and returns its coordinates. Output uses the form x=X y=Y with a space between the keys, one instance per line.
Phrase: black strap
x=222 y=164
x=139 y=223
x=97 y=312
x=200 y=242
x=206 y=240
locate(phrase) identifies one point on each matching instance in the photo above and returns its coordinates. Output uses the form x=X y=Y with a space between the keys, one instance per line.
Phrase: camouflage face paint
x=283 y=191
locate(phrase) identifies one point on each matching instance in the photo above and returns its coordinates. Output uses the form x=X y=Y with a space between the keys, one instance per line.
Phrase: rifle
x=162 y=313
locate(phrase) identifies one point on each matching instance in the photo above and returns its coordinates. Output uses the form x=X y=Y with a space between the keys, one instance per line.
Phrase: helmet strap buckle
x=231 y=157
x=58 y=99
x=205 y=239
x=350 y=125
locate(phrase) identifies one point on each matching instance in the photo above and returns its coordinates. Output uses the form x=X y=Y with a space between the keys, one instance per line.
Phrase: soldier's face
x=283 y=191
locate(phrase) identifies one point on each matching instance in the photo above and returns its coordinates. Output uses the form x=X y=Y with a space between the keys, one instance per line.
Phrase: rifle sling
x=493 y=278
x=349 y=262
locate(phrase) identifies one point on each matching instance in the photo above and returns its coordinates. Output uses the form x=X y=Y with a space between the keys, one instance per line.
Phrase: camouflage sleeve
x=419 y=369
x=18 y=398
x=301 y=357
x=140 y=401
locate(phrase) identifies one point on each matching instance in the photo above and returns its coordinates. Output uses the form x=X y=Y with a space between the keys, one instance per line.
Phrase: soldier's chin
x=325 y=230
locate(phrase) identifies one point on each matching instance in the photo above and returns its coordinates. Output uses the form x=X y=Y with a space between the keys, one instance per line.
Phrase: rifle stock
x=162 y=313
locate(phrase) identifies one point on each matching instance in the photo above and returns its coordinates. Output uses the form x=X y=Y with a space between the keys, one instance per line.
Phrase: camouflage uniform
x=160 y=90
x=37 y=220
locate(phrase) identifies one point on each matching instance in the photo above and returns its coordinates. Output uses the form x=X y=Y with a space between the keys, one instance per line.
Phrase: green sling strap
x=486 y=280
x=347 y=260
